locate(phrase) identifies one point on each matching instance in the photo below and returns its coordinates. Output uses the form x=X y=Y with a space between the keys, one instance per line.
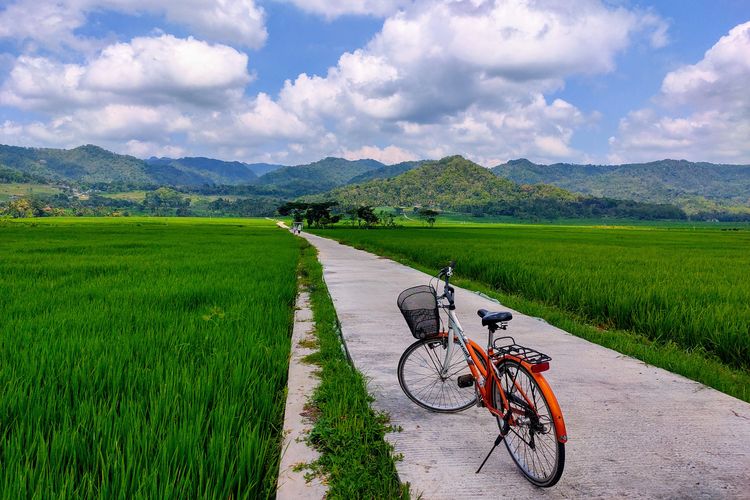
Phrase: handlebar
x=448 y=291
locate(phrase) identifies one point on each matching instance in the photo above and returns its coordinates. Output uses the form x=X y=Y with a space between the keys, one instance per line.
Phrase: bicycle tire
x=534 y=447
x=419 y=376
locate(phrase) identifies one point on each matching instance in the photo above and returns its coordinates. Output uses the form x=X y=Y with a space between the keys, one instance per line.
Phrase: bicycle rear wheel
x=532 y=439
x=419 y=374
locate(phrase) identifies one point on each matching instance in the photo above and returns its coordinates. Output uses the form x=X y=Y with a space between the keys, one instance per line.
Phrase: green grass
x=676 y=298
x=143 y=358
x=9 y=190
x=138 y=195
x=356 y=460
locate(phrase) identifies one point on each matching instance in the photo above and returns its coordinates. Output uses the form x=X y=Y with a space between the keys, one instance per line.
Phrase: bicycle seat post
x=490 y=338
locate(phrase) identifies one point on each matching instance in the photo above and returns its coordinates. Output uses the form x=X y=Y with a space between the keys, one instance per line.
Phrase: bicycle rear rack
x=527 y=354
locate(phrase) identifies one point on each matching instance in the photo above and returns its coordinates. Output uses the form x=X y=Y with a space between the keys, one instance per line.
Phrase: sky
x=293 y=81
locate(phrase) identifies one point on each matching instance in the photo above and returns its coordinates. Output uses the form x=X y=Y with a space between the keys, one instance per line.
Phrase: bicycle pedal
x=465 y=380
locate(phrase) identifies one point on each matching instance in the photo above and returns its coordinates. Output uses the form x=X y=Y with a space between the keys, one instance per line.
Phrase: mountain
x=318 y=176
x=386 y=171
x=90 y=164
x=94 y=165
x=198 y=170
x=446 y=184
x=692 y=186
x=220 y=172
x=457 y=184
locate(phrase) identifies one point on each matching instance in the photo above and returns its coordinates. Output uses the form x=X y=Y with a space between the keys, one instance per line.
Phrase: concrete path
x=302 y=382
x=635 y=431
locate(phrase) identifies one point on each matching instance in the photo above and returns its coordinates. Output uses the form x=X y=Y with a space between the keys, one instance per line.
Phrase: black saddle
x=491 y=319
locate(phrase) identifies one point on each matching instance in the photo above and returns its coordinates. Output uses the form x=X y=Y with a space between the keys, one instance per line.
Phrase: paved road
x=635 y=431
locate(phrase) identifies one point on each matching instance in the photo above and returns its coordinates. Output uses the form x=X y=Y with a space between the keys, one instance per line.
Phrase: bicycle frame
x=480 y=361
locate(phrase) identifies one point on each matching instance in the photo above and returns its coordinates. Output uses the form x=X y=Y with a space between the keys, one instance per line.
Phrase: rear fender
x=554 y=406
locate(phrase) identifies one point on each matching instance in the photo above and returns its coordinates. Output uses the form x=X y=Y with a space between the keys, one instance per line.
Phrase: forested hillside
x=693 y=186
x=318 y=176
x=518 y=188
x=460 y=185
x=88 y=164
x=91 y=166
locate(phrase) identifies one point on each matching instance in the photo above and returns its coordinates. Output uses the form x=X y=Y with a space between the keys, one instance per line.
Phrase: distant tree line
x=165 y=201
x=551 y=208
x=253 y=206
x=7 y=176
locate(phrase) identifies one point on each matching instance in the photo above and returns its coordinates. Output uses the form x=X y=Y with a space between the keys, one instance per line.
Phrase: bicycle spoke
x=531 y=424
x=420 y=374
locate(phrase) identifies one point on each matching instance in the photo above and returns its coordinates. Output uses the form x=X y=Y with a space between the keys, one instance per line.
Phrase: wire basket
x=420 y=309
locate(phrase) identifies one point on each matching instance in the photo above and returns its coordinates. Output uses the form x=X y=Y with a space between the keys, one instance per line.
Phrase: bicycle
x=444 y=371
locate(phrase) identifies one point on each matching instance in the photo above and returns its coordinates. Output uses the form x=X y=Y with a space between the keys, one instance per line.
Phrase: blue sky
x=291 y=81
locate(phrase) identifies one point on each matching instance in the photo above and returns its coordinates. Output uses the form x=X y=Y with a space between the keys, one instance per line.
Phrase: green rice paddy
x=143 y=358
x=683 y=287
x=10 y=190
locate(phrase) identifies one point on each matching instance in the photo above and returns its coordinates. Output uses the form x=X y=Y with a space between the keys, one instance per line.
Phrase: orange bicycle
x=444 y=371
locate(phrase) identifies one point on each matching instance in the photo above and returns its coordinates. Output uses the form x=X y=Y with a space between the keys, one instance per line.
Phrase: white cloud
x=441 y=77
x=705 y=110
x=388 y=155
x=261 y=121
x=109 y=124
x=529 y=127
x=155 y=70
x=48 y=22
x=146 y=149
x=52 y=23
x=168 y=66
x=468 y=75
x=44 y=84
x=336 y=8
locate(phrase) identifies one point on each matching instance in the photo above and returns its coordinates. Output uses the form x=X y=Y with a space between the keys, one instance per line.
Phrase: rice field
x=143 y=358
x=10 y=190
x=681 y=286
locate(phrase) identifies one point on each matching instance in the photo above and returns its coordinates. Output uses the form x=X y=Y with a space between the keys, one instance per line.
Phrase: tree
x=353 y=217
x=367 y=215
x=319 y=214
x=165 y=198
x=388 y=219
x=20 y=208
x=295 y=209
x=316 y=214
x=429 y=215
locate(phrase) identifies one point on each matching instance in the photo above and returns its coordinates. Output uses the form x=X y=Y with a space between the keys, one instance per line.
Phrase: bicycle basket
x=419 y=307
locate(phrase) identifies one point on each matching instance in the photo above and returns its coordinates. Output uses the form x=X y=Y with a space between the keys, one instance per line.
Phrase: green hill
x=93 y=165
x=89 y=164
x=198 y=170
x=457 y=184
x=692 y=186
x=447 y=184
x=318 y=176
x=216 y=171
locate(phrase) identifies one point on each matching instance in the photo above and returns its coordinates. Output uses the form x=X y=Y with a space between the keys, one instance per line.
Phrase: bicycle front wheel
x=420 y=374
x=530 y=435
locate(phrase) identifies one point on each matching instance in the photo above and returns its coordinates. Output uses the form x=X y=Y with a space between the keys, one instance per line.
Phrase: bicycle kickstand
x=498 y=440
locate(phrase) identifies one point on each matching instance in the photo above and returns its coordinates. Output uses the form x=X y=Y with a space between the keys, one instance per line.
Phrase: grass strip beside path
x=355 y=458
